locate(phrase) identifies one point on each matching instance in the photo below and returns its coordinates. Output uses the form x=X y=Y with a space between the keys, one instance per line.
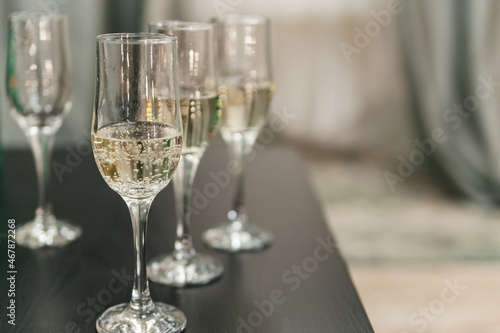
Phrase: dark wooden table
x=300 y=284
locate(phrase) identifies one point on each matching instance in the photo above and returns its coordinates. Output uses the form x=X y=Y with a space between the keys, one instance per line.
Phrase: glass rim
x=24 y=15
x=135 y=38
x=242 y=18
x=182 y=25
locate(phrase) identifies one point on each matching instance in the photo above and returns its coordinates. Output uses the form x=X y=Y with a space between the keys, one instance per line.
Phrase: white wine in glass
x=200 y=109
x=137 y=141
x=137 y=159
x=200 y=115
x=246 y=107
x=245 y=91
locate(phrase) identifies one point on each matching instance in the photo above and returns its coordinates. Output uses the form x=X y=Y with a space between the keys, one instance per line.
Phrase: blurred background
x=395 y=109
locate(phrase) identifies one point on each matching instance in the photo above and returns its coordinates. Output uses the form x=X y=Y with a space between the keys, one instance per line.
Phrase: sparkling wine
x=200 y=115
x=244 y=108
x=137 y=160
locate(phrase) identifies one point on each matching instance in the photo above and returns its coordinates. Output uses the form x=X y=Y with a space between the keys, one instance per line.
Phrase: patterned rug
x=417 y=221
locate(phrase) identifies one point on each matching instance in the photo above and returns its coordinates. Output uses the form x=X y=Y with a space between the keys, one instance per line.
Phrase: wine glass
x=137 y=141
x=38 y=86
x=245 y=90
x=200 y=113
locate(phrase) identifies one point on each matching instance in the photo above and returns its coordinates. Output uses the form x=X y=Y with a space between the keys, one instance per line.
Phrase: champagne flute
x=200 y=113
x=245 y=90
x=38 y=86
x=137 y=140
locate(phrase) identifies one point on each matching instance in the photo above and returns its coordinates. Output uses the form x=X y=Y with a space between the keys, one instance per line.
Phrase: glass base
x=236 y=237
x=199 y=269
x=46 y=231
x=121 y=318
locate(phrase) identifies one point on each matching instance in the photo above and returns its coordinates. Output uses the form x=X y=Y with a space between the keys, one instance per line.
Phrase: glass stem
x=141 y=299
x=42 y=144
x=240 y=148
x=183 y=190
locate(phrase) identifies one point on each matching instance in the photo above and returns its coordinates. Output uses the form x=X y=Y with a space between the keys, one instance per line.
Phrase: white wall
x=357 y=106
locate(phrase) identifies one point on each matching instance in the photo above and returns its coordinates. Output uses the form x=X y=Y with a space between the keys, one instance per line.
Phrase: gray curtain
x=453 y=61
